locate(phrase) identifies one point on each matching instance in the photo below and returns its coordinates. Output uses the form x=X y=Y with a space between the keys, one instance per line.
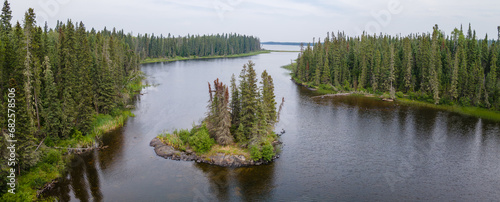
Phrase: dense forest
x=55 y=82
x=151 y=46
x=458 y=69
x=63 y=87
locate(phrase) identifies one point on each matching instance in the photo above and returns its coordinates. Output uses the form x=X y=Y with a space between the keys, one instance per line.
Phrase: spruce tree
x=268 y=98
x=325 y=72
x=249 y=91
x=24 y=129
x=6 y=17
x=376 y=71
x=83 y=85
x=408 y=64
x=454 y=78
x=492 y=79
x=392 y=76
x=434 y=63
x=260 y=125
x=219 y=117
x=235 y=103
x=51 y=106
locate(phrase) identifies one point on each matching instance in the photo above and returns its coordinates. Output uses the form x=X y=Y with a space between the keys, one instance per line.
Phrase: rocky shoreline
x=220 y=159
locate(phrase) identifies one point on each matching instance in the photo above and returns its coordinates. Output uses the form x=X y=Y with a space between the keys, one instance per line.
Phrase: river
x=335 y=149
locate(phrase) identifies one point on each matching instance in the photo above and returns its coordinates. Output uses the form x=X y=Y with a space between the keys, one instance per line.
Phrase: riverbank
x=178 y=58
x=225 y=156
x=400 y=98
x=56 y=154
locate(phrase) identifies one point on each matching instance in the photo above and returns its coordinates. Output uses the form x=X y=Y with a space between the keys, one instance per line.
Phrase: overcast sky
x=270 y=20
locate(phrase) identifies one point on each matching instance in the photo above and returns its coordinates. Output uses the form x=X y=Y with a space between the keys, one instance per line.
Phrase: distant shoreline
x=178 y=58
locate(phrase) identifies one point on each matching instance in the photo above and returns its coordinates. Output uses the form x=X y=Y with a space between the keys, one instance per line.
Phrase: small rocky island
x=238 y=129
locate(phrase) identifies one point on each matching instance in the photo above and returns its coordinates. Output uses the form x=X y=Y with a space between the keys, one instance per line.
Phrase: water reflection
x=81 y=178
x=248 y=183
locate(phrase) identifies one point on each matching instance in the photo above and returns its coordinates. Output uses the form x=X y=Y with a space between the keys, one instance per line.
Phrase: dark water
x=342 y=148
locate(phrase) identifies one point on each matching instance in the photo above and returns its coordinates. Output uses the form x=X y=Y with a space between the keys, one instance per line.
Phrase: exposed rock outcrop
x=220 y=159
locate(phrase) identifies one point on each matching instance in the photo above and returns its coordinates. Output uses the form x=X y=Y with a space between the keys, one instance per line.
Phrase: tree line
x=456 y=69
x=153 y=46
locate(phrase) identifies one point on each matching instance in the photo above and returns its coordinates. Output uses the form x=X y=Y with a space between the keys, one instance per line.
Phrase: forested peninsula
x=63 y=87
x=435 y=68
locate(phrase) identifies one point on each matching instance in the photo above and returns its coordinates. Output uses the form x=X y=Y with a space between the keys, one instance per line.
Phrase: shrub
x=412 y=95
x=325 y=87
x=49 y=142
x=255 y=153
x=464 y=101
x=52 y=157
x=267 y=152
x=399 y=94
x=239 y=134
x=76 y=134
x=174 y=141
x=184 y=135
x=115 y=112
x=201 y=141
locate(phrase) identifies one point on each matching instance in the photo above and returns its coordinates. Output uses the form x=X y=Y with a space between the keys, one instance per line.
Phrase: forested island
x=63 y=87
x=457 y=70
x=238 y=129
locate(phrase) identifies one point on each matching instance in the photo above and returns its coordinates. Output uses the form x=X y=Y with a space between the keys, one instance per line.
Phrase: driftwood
x=40 y=144
x=81 y=150
x=48 y=186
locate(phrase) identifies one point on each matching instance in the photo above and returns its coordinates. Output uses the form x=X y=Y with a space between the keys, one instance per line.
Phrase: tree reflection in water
x=246 y=183
x=81 y=178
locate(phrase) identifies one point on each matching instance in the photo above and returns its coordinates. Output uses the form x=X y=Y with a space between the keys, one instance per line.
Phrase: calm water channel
x=342 y=148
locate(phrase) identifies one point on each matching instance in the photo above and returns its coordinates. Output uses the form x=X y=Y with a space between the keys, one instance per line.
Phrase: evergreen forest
x=457 y=69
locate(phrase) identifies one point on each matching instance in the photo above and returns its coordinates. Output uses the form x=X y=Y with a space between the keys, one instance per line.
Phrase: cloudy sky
x=271 y=20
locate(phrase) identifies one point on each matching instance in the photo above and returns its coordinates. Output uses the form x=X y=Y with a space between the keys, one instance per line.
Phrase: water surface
x=340 y=148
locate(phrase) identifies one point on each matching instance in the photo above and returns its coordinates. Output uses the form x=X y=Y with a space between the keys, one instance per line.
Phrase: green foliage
x=52 y=157
x=267 y=152
x=444 y=69
x=192 y=47
x=178 y=58
x=173 y=140
x=201 y=141
x=256 y=106
x=399 y=94
x=255 y=153
x=76 y=134
x=239 y=134
x=49 y=142
x=183 y=134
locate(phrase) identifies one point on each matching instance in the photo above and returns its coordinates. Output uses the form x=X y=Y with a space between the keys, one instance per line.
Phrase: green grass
x=286 y=51
x=290 y=67
x=470 y=111
x=49 y=168
x=173 y=140
x=177 y=58
x=233 y=149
